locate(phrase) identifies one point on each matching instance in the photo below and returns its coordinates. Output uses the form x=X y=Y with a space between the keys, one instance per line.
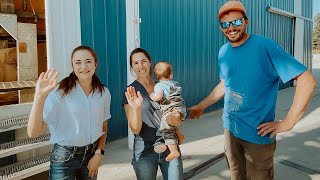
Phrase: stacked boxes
x=7 y=6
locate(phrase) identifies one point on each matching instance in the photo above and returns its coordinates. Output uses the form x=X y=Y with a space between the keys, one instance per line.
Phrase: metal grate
x=14 y=170
x=9 y=124
x=22 y=142
x=16 y=85
x=14 y=147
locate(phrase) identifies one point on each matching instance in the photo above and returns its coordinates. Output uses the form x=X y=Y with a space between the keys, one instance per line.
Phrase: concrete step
x=15 y=110
x=26 y=168
x=14 y=147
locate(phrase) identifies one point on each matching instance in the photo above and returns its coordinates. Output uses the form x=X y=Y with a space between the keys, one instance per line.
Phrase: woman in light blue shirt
x=76 y=113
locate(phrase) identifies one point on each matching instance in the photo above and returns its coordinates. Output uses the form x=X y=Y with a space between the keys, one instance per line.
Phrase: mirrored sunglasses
x=235 y=23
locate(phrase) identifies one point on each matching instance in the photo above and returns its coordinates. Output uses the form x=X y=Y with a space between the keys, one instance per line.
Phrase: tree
x=316 y=33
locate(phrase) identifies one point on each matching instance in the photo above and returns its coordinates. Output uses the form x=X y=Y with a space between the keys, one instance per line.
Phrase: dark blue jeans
x=69 y=163
x=146 y=166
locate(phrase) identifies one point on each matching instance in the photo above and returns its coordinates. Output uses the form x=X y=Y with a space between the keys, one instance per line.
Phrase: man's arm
x=306 y=84
x=216 y=94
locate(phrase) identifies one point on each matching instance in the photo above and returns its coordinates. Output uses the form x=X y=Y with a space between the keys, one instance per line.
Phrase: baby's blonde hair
x=162 y=70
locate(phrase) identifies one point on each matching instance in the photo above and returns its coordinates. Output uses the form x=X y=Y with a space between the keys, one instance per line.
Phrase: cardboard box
x=3 y=32
x=3 y=44
x=7 y=98
x=7 y=1
x=8 y=65
x=7 y=6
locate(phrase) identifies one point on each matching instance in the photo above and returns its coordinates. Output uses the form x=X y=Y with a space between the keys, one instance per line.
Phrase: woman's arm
x=46 y=83
x=134 y=109
x=95 y=161
x=103 y=139
x=35 y=122
x=134 y=118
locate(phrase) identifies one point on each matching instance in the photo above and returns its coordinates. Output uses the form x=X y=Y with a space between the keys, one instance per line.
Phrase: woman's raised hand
x=135 y=99
x=47 y=82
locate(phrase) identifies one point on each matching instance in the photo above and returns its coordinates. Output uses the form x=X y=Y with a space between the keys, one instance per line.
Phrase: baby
x=168 y=92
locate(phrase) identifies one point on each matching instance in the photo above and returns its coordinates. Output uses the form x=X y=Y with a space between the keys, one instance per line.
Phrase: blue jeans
x=146 y=166
x=69 y=163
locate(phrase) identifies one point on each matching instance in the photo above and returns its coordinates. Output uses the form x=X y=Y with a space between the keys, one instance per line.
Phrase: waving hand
x=47 y=82
x=134 y=99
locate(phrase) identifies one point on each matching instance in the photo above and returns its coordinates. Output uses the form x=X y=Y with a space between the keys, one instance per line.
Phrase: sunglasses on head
x=235 y=23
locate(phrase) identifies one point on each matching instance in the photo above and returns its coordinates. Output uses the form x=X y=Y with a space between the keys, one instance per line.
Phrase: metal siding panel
x=86 y=22
x=307 y=57
x=63 y=34
x=186 y=33
x=103 y=25
x=189 y=30
x=99 y=38
x=179 y=31
x=307 y=7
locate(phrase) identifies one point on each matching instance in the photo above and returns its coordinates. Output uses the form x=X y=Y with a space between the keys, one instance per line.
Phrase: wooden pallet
x=16 y=85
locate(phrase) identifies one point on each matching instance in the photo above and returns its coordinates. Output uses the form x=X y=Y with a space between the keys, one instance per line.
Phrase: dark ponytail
x=96 y=84
x=68 y=83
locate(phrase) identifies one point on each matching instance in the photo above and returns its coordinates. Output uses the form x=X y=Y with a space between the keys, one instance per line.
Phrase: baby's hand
x=174 y=118
x=155 y=96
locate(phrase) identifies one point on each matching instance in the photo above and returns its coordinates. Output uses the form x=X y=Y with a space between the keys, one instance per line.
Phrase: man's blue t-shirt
x=251 y=74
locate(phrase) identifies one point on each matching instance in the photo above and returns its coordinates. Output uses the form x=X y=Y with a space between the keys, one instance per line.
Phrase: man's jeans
x=146 y=166
x=248 y=161
x=69 y=163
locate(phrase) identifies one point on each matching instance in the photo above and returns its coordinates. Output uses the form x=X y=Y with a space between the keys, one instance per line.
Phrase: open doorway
x=22 y=58
x=23 y=48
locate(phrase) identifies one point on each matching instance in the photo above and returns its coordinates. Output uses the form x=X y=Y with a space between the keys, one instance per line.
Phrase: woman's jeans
x=146 y=166
x=69 y=162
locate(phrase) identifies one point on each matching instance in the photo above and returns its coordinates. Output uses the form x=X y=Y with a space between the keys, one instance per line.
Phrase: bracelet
x=99 y=151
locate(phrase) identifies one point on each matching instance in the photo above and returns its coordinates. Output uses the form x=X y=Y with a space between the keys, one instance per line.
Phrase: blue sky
x=316 y=7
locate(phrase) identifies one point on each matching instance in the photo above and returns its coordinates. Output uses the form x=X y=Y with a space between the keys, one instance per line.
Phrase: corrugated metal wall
x=63 y=33
x=308 y=28
x=187 y=34
x=103 y=27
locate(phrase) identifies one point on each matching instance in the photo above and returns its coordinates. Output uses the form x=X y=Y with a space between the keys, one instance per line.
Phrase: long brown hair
x=68 y=83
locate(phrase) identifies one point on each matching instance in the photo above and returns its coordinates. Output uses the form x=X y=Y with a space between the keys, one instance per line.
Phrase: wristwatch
x=99 y=151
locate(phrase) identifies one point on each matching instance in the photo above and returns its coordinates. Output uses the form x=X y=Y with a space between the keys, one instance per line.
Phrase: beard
x=241 y=34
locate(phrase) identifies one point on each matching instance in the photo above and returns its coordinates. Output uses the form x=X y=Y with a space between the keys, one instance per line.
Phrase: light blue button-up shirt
x=76 y=119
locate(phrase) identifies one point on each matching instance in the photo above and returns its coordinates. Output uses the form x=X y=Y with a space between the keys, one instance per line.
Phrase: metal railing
x=15 y=147
x=13 y=123
x=26 y=168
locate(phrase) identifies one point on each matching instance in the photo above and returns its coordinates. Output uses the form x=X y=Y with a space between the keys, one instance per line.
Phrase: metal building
x=187 y=34
x=184 y=32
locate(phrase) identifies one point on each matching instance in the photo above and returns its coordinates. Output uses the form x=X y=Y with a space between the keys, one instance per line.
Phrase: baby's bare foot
x=172 y=155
